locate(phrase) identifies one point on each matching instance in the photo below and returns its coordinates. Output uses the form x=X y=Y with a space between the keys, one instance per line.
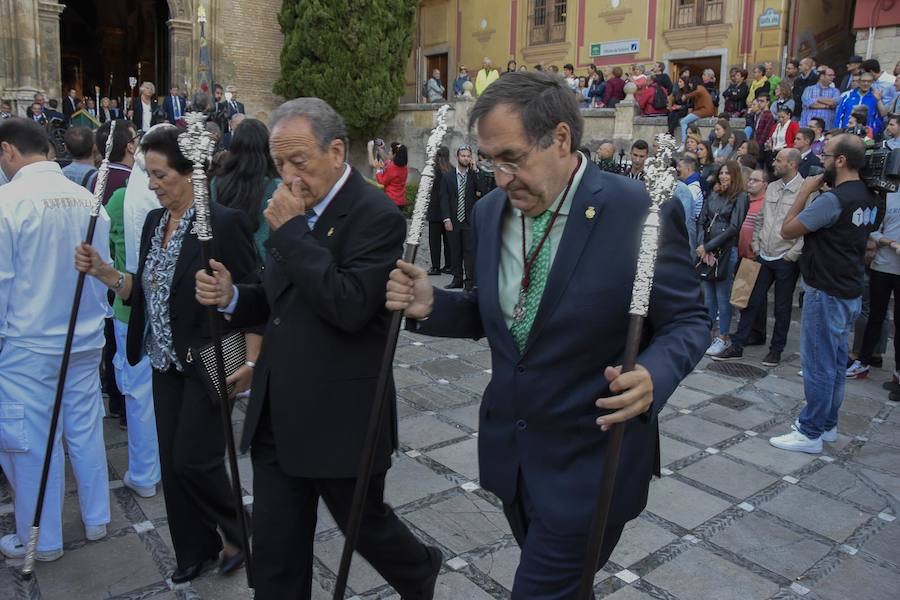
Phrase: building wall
x=469 y=30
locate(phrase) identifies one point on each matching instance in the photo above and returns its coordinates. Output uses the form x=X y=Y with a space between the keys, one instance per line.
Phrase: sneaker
x=95 y=532
x=730 y=353
x=857 y=370
x=144 y=491
x=11 y=547
x=797 y=442
x=717 y=346
x=772 y=359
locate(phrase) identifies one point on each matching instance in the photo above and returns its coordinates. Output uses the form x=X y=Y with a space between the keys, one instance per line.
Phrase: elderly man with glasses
x=555 y=255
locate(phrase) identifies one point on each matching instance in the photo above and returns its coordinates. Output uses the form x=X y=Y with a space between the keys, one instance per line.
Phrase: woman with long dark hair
x=437 y=235
x=718 y=226
x=247 y=178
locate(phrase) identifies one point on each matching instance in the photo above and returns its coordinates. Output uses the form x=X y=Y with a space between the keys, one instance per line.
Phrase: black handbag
x=234 y=353
x=719 y=270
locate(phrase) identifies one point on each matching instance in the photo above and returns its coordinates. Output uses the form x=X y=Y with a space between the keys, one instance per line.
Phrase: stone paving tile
x=781 y=386
x=879 y=456
x=887 y=434
x=686 y=398
x=711 y=384
x=462 y=457
x=868 y=407
x=830 y=518
x=759 y=452
x=747 y=418
x=673 y=450
x=475 y=383
x=728 y=476
x=412 y=355
x=436 y=397
x=854 y=575
x=363 y=576
x=697 y=430
x=404 y=378
x=447 y=368
x=408 y=480
x=695 y=573
x=840 y=481
x=459 y=347
x=97 y=570
x=640 y=538
x=771 y=545
x=500 y=565
x=461 y=522
x=455 y=586
x=629 y=593
x=424 y=430
x=464 y=415
x=682 y=504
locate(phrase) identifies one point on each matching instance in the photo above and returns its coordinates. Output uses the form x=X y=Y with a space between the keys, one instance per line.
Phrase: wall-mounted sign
x=769 y=18
x=613 y=48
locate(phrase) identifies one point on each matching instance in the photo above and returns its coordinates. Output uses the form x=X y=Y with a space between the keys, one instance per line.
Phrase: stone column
x=21 y=52
x=181 y=48
x=626 y=110
x=48 y=17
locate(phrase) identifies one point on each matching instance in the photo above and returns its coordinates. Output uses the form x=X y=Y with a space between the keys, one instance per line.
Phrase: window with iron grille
x=694 y=13
x=546 y=21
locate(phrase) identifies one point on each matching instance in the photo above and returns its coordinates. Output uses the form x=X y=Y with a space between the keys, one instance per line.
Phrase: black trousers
x=673 y=118
x=108 y=370
x=462 y=252
x=784 y=275
x=191 y=455
x=284 y=513
x=550 y=564
x=437 y=238
x=881 y=286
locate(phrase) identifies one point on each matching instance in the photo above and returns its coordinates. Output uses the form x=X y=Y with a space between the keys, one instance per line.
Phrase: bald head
x=606 y=150
x=786 y=163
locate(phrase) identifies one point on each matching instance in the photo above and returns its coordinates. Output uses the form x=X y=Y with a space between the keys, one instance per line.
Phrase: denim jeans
x=684 y=122
x=717 y=295
x=824 y=337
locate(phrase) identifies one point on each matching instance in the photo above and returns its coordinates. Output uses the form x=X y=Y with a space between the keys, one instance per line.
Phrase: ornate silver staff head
x=197 y=145
x=661 y=179
x=103 y=172
x=426 y=180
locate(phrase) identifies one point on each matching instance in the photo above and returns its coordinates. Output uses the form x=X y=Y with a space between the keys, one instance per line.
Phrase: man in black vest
x=835 y=227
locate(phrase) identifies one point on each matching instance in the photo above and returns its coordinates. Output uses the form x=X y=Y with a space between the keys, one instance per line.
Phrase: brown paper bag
x=744 y=281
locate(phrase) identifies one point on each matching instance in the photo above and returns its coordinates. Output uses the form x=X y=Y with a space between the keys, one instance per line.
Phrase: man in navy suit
x=457 y=198
x=174 y=105
x=556 y=317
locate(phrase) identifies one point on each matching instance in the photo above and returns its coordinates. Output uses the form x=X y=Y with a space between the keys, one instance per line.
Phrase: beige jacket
x=767 y=238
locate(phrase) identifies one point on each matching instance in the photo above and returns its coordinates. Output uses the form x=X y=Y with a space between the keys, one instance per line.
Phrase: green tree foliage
x=350 y=53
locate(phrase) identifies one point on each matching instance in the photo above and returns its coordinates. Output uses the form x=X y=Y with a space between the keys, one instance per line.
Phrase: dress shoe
x=426 y=592
x=188 y=573
x=447 y=271
x=456 y=284
x=434 y=271
x=232 y=563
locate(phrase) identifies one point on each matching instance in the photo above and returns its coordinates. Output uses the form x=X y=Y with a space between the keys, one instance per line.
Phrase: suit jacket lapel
x=190 y=246
x=575 y=235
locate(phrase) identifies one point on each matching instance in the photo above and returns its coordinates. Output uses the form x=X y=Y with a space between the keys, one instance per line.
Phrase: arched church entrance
x=103 y=43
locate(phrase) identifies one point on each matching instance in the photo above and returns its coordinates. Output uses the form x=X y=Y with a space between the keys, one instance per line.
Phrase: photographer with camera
x=835 y=226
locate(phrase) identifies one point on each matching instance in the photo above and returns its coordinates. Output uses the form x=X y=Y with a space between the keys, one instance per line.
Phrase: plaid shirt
x=810 y=96
x=765 y=124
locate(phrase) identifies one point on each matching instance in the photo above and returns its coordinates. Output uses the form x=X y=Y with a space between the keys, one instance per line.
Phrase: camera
x=881 y=173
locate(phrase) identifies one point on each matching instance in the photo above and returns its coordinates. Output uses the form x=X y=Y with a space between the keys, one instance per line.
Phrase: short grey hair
x=200 y=101
x=148 y=86
x=326 y=123
x=543 y=101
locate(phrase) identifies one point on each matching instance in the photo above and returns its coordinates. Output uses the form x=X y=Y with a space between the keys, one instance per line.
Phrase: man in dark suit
x=803 y=144
x=31 y=111
x=457 y=199
x=554 y=318
x=70 y=103
x=114 y=109
x=231 y=102
x=174 y=105
x=334 y=240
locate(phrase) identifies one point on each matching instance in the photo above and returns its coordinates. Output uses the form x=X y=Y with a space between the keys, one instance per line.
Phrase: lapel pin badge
x=331 y=232
x=590 y=212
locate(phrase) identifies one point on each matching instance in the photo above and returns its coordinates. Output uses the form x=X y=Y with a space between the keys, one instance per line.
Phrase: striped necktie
x=177 y=105
x=461 y=199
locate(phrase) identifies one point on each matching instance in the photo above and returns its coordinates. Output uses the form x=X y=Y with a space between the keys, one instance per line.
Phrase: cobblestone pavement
x=731 y=518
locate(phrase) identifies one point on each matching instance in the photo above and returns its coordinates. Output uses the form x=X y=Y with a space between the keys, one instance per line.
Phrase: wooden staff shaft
x=31 y=549
x=610 y=466
x=367 y=461
x=215 y=328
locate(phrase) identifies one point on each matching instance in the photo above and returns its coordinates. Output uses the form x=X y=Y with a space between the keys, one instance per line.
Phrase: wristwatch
x=119 y=282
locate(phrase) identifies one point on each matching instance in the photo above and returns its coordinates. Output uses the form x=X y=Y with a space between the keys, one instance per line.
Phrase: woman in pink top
x=393 y=176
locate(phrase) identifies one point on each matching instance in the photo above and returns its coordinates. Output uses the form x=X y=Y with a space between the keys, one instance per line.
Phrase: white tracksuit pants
x=136 y=385
x=27 y=389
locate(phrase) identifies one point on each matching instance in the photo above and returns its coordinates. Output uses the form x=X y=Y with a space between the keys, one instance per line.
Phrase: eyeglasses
x=830 y=155
x=510 y=168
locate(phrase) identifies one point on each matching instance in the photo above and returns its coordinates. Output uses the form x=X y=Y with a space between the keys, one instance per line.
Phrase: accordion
x=234 y=353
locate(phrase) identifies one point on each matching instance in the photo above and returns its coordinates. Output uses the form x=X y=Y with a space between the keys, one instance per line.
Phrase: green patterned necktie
x=528 y=306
